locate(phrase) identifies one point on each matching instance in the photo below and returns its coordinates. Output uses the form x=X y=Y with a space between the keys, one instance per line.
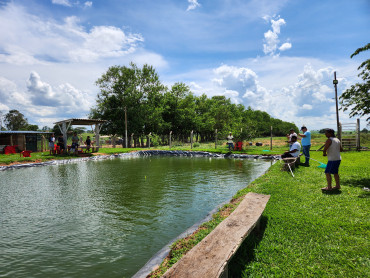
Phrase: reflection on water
x=107 y=218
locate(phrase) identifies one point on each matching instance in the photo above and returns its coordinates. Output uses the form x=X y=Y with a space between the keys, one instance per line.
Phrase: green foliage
x=152 y=107
x=136 y=91
x=15 y=120
x=357 y=98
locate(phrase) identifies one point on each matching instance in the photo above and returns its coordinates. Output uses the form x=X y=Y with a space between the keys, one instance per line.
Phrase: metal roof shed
x=64 y=125
x=25 y=140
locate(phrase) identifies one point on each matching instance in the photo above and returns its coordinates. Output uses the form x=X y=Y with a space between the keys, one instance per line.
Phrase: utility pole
x=335 y=82
x=126 y=127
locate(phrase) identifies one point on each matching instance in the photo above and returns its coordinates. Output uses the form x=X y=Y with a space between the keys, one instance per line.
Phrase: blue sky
x=278 y=56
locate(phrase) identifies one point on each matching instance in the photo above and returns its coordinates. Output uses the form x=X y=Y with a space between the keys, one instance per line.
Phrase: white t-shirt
x=333 y=151
x=295 y=146
x=230 y=139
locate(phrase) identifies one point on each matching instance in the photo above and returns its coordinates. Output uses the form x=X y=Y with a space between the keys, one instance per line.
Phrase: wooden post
x=216 y=139
x=170 y=138
x=126 y=127
x=42 y=142
x=358 y=145
x=271 y=139
x=114 y=141
x=150 y=134
x=132 y=140
x=335 y=82
x=191 y=139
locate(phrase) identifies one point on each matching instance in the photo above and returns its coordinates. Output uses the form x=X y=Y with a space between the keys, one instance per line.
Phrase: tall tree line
x=152 y=107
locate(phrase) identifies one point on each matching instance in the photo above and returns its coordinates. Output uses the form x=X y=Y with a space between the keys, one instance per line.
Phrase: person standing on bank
x=230 y=141
x=306 y=144
x=51 y=143
x=332 y=149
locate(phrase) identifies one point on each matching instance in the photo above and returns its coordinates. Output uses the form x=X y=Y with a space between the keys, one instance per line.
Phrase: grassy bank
x=305 y=233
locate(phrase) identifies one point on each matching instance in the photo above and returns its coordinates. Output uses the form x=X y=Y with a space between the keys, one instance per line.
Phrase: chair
x=25 y=154
x=238 y=146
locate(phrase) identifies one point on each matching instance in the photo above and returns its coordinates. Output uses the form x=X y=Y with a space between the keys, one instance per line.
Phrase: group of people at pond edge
x=332 y=149
x=59 y=147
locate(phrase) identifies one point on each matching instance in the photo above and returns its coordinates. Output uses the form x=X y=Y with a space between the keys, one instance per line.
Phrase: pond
x=107 y=218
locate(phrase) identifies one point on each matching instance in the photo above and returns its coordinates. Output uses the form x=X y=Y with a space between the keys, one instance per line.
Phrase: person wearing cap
x=332 y=150
x=289 y=136
x=230 y=141
x=306 y=144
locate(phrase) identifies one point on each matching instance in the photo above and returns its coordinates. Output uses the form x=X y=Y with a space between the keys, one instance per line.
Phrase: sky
x=277 y=56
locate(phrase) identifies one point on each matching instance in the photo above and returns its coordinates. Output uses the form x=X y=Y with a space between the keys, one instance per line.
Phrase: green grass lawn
x=304 y=232
x=308 y=233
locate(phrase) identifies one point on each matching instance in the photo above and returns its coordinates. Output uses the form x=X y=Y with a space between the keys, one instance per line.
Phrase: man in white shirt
x=294 y=150
x=230 y=141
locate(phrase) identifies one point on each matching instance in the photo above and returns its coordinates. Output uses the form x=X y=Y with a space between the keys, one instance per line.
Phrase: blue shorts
x=332 y=167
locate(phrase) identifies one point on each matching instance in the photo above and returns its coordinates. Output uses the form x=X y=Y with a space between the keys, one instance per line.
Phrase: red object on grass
x=238 y=146
x=10 y=149
x=26 y=153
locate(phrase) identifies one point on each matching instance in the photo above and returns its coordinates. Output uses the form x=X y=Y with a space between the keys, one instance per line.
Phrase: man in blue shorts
x=332 y=150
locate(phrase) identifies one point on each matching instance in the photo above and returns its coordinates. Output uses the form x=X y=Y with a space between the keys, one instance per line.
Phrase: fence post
x=150 y=134
x=191 y=139
x=113 y=139
x=271 y=139
x=170 y=139
x=358 y=145
x=216 y=139
x=131 y=140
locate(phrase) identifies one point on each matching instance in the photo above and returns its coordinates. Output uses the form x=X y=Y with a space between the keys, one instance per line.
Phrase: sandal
x=327 y=189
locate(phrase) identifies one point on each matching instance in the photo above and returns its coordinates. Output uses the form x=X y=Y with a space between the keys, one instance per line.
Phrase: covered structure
x=23 y=140
x=65 y=124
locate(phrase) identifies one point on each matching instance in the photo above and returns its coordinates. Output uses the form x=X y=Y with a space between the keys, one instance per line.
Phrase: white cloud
x=64 y=96
x=308 y=99
x=285 y=46
x=88 y=4
x=193 y=4
x=62 y=2
x=35 y=40
x=272 y=37
x=307 y=107
x=9 y=94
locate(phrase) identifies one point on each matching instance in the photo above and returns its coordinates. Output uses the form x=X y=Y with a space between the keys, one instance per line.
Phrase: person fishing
x=230 y=141
x=294 y=150
x=332 y=150
x=306 y=144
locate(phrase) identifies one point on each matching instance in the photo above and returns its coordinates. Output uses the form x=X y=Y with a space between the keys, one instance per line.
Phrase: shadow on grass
x=357 y=182
x=245 y=253
x=331 y=192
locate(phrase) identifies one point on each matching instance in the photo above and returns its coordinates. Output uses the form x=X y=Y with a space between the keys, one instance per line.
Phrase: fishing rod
x=321 y=164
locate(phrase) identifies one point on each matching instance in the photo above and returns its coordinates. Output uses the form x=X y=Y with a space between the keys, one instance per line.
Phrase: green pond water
x=107 y=218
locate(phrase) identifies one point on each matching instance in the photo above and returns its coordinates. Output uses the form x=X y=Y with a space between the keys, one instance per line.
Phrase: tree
x=137 y=90
x=14 y=120
x=32 y=127
x=357 y=98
